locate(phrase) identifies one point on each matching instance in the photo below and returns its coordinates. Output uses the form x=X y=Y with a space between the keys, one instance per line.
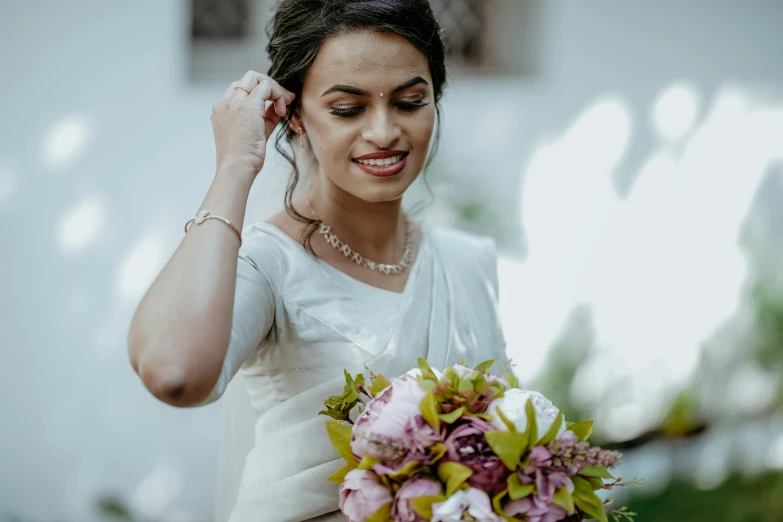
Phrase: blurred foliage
x=738 y=499
x=563 y=361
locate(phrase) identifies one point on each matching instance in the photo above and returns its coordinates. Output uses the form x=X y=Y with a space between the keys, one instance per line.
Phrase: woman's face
x=368 y=94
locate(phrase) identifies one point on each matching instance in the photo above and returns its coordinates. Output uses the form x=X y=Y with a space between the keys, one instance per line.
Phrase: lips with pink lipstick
x=382 y=164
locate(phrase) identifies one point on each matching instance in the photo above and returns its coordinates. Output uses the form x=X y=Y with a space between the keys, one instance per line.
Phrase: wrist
x=240 y=172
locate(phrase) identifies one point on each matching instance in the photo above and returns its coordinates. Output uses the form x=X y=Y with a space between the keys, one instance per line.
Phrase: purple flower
x=548 y=479
x=361 y=494
x=567 y=452
x=420 y=436
x=467 y=445
x=413 y=488
x=380 y=429
x=535 y=510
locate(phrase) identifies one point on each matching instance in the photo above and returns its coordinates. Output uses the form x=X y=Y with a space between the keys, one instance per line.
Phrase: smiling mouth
x=385 y=162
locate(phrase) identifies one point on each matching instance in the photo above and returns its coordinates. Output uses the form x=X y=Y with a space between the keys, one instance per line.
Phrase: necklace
x=395 y=269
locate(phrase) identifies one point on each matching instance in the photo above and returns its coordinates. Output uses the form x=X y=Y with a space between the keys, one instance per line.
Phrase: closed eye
x=407 y=106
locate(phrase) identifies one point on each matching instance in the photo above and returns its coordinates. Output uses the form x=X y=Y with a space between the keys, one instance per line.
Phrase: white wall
x=105 y=151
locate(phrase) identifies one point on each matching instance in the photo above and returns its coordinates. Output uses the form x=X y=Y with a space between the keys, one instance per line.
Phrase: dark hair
x=300 y=27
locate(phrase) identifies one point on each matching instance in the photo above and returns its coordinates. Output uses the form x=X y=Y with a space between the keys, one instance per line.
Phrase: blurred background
x=626 y=156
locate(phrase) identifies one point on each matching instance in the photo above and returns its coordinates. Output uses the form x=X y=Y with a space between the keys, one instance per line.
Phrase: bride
x=342 y=277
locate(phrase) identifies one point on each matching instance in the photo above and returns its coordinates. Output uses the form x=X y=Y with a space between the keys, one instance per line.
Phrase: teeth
x=382 y=162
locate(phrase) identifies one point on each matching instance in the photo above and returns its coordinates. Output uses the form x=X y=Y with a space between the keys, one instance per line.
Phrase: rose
x=380 y=430
x=468 y=446
x=472 y=500
x=513 y=404
x=413 y=488
x=362 y=494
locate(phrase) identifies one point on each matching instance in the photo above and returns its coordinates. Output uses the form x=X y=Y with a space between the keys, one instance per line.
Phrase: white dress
x=298 y=322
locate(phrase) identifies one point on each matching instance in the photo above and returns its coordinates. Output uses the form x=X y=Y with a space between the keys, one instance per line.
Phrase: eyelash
x=354 y=111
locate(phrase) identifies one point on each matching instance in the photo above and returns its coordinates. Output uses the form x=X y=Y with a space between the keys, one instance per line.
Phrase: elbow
x=168 y=380
x=172 y=384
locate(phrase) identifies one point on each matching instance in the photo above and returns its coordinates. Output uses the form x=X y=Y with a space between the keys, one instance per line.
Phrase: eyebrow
x=359 y=92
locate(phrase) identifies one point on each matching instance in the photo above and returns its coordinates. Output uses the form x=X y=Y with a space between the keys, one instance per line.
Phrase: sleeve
x=254 y=307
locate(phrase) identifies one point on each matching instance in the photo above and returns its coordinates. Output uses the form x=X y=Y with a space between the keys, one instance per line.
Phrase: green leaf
x=426 y=369
x=465 y=385
x=429 y=411
x=479 y=381
x=564 y=499
x=581 y=429
x=436 y=452
x=339 y=476
x=509 y=424
x=449 y=418
x=349 y=379
x=596 y=471
x=551 y=433
x=407 y=471
x=512 y=380
x=595 y=483
x=485 y=366
x=340 y=437
x=498 y=507
x=331 y=412
x=379 y=384
x=454 y=475
x=383 y=514
x=423 y=505
x=507 y=445
x=516 y=489
x=531 y=432
x=368 y=462
x=586 y=500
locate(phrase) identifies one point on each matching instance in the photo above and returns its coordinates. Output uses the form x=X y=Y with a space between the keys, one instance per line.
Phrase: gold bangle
x=205 y=215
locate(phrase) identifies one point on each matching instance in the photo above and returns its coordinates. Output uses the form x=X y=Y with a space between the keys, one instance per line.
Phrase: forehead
x=366 y=59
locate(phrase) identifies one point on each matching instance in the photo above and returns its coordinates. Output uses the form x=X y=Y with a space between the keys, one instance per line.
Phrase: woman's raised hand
x=242 y=122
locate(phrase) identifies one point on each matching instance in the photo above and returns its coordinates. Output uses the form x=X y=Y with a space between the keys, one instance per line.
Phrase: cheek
x=333 y=142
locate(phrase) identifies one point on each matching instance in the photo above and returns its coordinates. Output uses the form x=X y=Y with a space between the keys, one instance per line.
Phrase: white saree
x=299 y=322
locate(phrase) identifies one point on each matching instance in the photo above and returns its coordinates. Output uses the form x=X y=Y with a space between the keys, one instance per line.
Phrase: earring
x=302 y=140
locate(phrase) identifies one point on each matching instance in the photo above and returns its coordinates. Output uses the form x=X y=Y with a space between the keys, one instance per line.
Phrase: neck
x=374 y=229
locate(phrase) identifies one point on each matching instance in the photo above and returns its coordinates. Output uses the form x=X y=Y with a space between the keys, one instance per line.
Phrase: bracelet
x=205 y=215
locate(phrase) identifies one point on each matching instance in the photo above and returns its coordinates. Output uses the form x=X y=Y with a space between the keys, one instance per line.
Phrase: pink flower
x=548 y=479
x=535 y=510
x=467 y=445
x=473 y=501
x=362 y=494
x=380 y=431
x=413 y=488
x=420 y=436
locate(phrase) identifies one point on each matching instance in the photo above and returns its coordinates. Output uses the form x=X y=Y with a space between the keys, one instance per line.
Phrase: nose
x=381 y=130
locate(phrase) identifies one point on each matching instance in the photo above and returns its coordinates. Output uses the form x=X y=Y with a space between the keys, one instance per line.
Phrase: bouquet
x=463 y=445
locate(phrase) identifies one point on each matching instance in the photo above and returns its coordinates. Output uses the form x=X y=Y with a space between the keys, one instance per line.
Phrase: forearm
x=181 y=329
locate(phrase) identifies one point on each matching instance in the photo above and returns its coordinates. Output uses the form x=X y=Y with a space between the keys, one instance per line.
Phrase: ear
x=296 y=122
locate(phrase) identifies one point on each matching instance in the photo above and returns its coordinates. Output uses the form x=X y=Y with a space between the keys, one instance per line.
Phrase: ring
x=240 y=87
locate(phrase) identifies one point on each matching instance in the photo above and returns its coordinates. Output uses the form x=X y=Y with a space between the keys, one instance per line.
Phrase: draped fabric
x=324 y=322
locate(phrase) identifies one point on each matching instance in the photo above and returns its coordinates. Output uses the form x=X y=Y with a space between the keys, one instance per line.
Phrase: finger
x=252 y=78
x=269 y=90
x=230 y=90
x=270 y=114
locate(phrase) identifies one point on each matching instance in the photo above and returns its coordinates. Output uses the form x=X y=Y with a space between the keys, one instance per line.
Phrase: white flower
x=416 y=373
x=513 y=403
x=472 y=500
